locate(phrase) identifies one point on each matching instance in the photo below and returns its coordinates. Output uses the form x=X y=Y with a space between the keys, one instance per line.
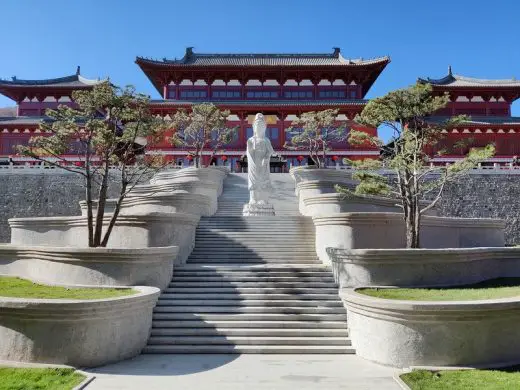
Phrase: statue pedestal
x=258 y=210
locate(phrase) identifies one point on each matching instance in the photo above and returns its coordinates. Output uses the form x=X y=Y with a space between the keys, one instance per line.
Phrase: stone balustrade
x=81 y=333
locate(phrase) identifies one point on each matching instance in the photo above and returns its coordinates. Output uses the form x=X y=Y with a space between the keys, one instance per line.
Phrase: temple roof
x=482 y=120
x=23 y=120
x=13 y=88
x=267 y=59
x=455 y=80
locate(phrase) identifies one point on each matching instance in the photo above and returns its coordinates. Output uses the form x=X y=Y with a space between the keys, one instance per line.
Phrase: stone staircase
x=251 y=285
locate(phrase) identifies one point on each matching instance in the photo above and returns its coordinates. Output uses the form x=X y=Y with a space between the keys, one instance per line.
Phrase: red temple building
x=488 y=105
x=33 y=97
x=281 y=86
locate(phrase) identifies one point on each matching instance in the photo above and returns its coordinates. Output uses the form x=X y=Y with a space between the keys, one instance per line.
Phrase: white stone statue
x=259 y=151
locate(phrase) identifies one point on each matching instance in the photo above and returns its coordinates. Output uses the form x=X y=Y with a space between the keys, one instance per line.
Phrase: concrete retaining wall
x=412 y=333
x=90 y=266
x=77 y=333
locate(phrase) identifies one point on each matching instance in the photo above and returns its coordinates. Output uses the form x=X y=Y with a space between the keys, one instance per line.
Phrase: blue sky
x=44 y=39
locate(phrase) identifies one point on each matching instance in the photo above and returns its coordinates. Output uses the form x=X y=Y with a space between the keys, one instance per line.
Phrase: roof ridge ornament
x=337 y=50
x=450 y=73
x=78 y=70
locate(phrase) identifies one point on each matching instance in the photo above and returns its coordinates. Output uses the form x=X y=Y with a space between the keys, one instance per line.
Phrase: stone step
x=251 y=290
x=253 y=256
x=259 y=284
x=249 y=309
x=238 y=278
x=216 y=297
x=251 y=274
x=239 y=325
x=203 y=249
x=249 y=261
x=253 y=268
x=233 y=303
x=249 y=349
x=247 y=340
x=251 y=332
x=318 y=317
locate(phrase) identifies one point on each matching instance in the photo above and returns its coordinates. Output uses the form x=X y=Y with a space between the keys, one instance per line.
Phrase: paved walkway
x=248 y=372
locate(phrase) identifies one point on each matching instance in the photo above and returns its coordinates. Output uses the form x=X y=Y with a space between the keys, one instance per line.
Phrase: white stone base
x=257 y=210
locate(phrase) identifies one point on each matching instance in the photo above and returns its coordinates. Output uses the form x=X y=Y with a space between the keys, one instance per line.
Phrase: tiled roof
x=313 y=59
x=273 y=103
x=484 y=120
x=73 y=81
x=454 y=80
x=23 y=120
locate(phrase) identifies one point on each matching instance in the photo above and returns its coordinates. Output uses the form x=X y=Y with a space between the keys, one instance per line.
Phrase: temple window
x=193 y=94
x=353 y=94
x=298 y=94
x=331 y=94
x=262 y=94
x=225 y=94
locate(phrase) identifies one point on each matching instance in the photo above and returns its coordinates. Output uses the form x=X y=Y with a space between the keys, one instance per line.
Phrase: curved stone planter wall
x=171 y=202
x=422 y=267
x=186 y=184
x=90 y=266
x=310 y=173
x=413 y=333
x=311 y=181
x=130 y=231
x=211 y=176
x=78 y=333
x=331 y=203
x=386 y=230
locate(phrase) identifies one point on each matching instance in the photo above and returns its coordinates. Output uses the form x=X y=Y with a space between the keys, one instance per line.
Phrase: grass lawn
x=508 y=379
x=490 y=289
x=39 y=378
x=22 y=288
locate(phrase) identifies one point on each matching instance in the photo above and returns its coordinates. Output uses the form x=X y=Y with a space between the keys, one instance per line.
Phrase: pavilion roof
x=266 y=59
x=15 y=87
x=455 y=80
x=23 y=120
x=277 y=66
